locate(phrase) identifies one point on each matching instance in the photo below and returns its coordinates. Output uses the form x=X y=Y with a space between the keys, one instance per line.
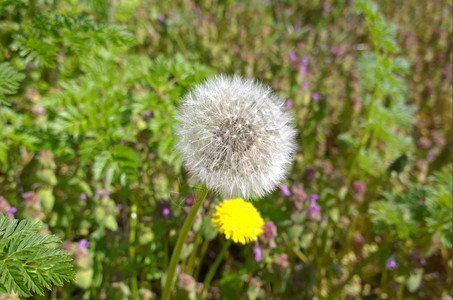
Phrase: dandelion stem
x=204 y=248
x=132 y=234
x=213 y=268
x=169 y=281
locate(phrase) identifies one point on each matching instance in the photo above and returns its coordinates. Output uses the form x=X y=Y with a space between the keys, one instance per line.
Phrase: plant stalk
x=213 y=268
x=169 y=281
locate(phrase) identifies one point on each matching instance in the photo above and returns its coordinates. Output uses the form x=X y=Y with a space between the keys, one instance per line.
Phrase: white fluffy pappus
x=235 y=136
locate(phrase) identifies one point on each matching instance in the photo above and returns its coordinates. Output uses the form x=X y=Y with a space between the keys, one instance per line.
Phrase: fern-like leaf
x=29 y=260
x=9 y=80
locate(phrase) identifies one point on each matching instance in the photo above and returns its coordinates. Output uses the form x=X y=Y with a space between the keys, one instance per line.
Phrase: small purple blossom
x=391 y=263
x=83 y=196
x=161 y=17
x=119 y=206
x=166 y=211
x=40 y=110
x=83 y=243
x=304 y=60
x=446 y=70
x=358 y=189
x=106 y=195
x=281 y=260
x=289 y=104
x=314 y=208
x=284 y=191
x=305 y=85
x=292 y=56
x=257 y=251
x=302 y=70
x=430 y=154
x=424 y=142
x=313 y=197
x=190 y=201
x=315 y=96
x=12 y=210
x=147 y=113
x=97 y=193
x=326 y=7
x=269 y=230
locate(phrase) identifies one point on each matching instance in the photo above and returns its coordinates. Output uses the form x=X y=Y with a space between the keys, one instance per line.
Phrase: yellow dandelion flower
x=238 y=220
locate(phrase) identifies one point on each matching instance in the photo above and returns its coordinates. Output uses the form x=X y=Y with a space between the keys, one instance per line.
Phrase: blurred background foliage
x=88 y=90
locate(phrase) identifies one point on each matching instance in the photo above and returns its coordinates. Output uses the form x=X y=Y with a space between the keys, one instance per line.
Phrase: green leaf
x=9 y=80
x=29 y=260
x=414 y=281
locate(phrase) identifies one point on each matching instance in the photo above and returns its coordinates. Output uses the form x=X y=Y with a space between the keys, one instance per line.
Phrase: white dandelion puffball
x=235 y=136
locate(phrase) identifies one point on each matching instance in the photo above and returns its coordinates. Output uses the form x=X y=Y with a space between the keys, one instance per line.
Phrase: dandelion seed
x=235 y=136
x=238 y=220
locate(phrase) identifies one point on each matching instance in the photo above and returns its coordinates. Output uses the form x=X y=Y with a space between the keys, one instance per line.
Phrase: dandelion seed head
x=235 y=136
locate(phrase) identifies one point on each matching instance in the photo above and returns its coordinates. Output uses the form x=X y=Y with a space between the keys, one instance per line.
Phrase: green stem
x=213 y=268
x=189 y=266
x=132 y=233
x=169 y=282
x=204 y=248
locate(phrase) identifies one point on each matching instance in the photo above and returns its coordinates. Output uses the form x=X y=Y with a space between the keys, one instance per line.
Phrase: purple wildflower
x=292 y=56
x=305 y=85
x=315 y=96
x=430 y=154
x=390 y=263
x=83 y=196
x=302 y=70
x=326 y=7
x=284 y=191
x=83 y=243
x=119 y=206
x=257 y=251
x=313 y=198
x=166 y=211
x=161 y=17
x=106 y=196
x=304 y=60
x=269 y=230
x=147 y=113
x=424 y=142
x=190 y=201
x=289 y=104
x=186 y=282
x=358 y=189
x=281 y=260
x=314 y=207
x=40 y=110
x=12 y=210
